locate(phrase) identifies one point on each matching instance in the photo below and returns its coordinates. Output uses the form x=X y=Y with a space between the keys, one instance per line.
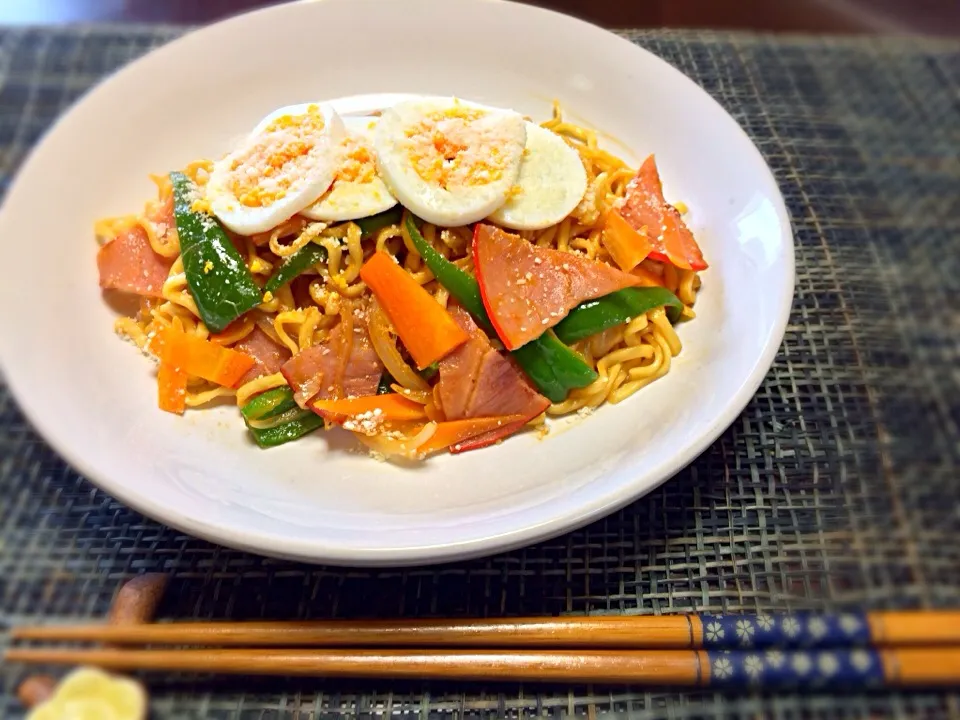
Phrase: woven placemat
x=837 y=487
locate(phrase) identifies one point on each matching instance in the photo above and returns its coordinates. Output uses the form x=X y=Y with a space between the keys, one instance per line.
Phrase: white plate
x=94 y=397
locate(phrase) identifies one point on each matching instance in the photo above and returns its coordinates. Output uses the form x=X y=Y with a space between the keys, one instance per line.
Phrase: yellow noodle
x=671 y=277
x=687 y=288
x=309 y=233
x=308 y=326
x=199 y=171
x=293 y=226
x=132 y=329
x=233 y=335
x=663 y=327
x=196 y=399
x=259 y=385
x=257 y=264
x=289 y=317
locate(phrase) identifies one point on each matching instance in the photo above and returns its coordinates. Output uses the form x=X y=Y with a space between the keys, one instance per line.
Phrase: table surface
x=837 y=488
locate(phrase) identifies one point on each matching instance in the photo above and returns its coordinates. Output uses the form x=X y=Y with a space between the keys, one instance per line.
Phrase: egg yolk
x=449 y=148
x=264 y=172
x=358 y=164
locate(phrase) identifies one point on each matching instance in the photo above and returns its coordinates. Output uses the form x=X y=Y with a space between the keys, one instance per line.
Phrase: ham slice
x=128 y=263
x=477 y=381
x=344 y=365
x=645 y=209
x=267 y=355
x=528 y=289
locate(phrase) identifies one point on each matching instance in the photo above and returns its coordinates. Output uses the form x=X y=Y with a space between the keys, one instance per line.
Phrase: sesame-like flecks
x=358 y=163
x=451 y=148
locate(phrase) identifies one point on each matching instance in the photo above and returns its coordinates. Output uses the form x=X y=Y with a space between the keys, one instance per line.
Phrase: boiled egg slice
x=286 y=163
x=357 y=190
x=551 y=184
x=449 y=161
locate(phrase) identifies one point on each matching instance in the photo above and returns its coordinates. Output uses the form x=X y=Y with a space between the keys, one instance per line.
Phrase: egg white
x=551 y=184
x=309 y=175
x=351 y=200
x=459 y=203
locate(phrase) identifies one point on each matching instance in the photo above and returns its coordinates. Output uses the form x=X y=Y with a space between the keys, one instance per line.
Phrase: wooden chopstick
x=697 y=668
x=880 y=629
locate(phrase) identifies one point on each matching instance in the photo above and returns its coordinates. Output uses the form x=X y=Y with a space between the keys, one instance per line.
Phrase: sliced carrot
x=391 y=406
x=201 y=358
x=172 y=383
x=626 y=246
x=171 y=388
x=171 y=376
x=452 y=433
x=645 y=206
x=424 y=326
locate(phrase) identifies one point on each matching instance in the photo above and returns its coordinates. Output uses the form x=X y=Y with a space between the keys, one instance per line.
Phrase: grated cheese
x=265 y=171
x=449 y=148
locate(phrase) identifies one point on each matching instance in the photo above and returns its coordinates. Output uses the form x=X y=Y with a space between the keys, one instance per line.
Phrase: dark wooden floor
x=934 y=17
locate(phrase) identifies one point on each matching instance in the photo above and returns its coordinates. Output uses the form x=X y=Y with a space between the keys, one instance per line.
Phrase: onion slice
x=404 y=446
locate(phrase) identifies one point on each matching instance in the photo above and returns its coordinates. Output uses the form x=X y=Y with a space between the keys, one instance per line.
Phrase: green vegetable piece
x=383 y=387
x=307 y=422
x=219 y=281
x=269 y=404
x=372 y=224
x=304 y=258
x=430 y=371
x=462 y=285
x=589 y=318
x=553 y=367
x=312 y=253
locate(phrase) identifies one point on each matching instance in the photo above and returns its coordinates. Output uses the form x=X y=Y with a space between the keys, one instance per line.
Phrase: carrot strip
x=201 y=358
x=453 y=432
x=425 y=327
x=626 y=246
x=391 y=406
x=171 y=376
x=171 y=387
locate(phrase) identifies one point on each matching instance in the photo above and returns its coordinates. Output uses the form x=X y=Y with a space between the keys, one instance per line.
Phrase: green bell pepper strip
x=430 y=371
x=219 y=281
x=593 y=316
x=311 y=254
x=305 y=423
x=462 y=285
x=370 y=225
x=274 y=404
x=553 y=367
x=269 y=404
x=386 y=380
x=304 y=258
